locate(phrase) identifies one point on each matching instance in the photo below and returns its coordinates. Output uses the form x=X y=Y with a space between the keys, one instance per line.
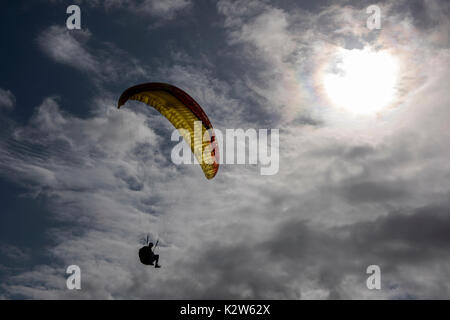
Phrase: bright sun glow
x=361 y=81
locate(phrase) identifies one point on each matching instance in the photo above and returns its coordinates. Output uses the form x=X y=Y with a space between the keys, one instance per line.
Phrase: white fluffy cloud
x=108 y=63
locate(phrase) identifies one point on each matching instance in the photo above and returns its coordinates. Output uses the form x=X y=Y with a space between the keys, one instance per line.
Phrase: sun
x=361 y=81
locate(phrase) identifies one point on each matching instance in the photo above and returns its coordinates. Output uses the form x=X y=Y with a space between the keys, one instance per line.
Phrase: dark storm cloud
x=419 y=235
x=331 y=255
x=372 y=191
x=358 y=152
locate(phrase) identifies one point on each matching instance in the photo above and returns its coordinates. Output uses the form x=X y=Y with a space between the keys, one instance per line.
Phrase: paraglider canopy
x=183 y=112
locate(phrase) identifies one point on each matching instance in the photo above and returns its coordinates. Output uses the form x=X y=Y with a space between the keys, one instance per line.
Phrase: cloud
x=66 y=47
x=106 y=63
x=286 y=48
x=7 y=99
x=164 y=10
x=14 y=253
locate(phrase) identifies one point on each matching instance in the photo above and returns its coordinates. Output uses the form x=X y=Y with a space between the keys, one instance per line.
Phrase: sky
x=363 y=176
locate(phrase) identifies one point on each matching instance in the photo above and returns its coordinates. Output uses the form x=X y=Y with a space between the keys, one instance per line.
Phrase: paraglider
x=183 y=112
x=147 y=255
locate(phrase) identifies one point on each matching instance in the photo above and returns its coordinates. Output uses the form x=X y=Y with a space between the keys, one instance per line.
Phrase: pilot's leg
x=156 y=257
